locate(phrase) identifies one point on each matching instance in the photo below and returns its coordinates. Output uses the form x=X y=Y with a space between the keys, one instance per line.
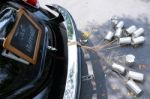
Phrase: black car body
x=56 y=75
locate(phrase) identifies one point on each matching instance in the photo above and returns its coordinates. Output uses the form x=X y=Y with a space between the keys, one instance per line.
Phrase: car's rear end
x=56 y=74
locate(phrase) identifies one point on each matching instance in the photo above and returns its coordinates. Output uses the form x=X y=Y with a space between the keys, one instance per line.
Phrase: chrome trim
x=72 y=76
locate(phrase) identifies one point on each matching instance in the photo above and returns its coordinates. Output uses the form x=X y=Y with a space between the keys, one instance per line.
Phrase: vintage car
x=56 y=74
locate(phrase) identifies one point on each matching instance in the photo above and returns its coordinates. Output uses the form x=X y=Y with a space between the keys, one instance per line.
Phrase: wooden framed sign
x=24 y=39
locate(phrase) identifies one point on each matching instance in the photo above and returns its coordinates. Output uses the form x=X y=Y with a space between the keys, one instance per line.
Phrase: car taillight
x=32 y=2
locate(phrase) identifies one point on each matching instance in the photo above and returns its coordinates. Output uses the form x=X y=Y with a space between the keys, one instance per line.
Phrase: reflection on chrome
x=72 y=77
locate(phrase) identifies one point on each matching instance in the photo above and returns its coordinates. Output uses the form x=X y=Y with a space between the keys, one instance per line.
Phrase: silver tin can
x=129 y=59
x=132 y=86
x=138 y=32
x=118 y=68
x=118 y=33
x=109 y=36
x=120 y=24
x=138 y=40
x=125 y=40
x=114 y=21
x=131 y=29
x=135 y=76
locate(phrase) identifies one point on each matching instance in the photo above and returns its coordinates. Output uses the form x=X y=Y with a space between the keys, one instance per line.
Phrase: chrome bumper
x=73 y=76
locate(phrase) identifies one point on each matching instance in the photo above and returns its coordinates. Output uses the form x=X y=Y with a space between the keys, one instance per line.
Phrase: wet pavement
x=94 y=16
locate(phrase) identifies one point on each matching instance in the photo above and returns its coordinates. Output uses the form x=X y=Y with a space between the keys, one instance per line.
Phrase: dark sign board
x=24 y=39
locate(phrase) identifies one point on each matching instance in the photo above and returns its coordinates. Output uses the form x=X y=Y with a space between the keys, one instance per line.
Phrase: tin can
x=118 y=33
x=118 y=68
x=125 y=40
x=114 y=21
x=138 y=32
x=109 y=36
x=132 y=86
x=135 y=76
x=120 y=25
x=131 y=29
x=129 y=59
x=138 y=40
